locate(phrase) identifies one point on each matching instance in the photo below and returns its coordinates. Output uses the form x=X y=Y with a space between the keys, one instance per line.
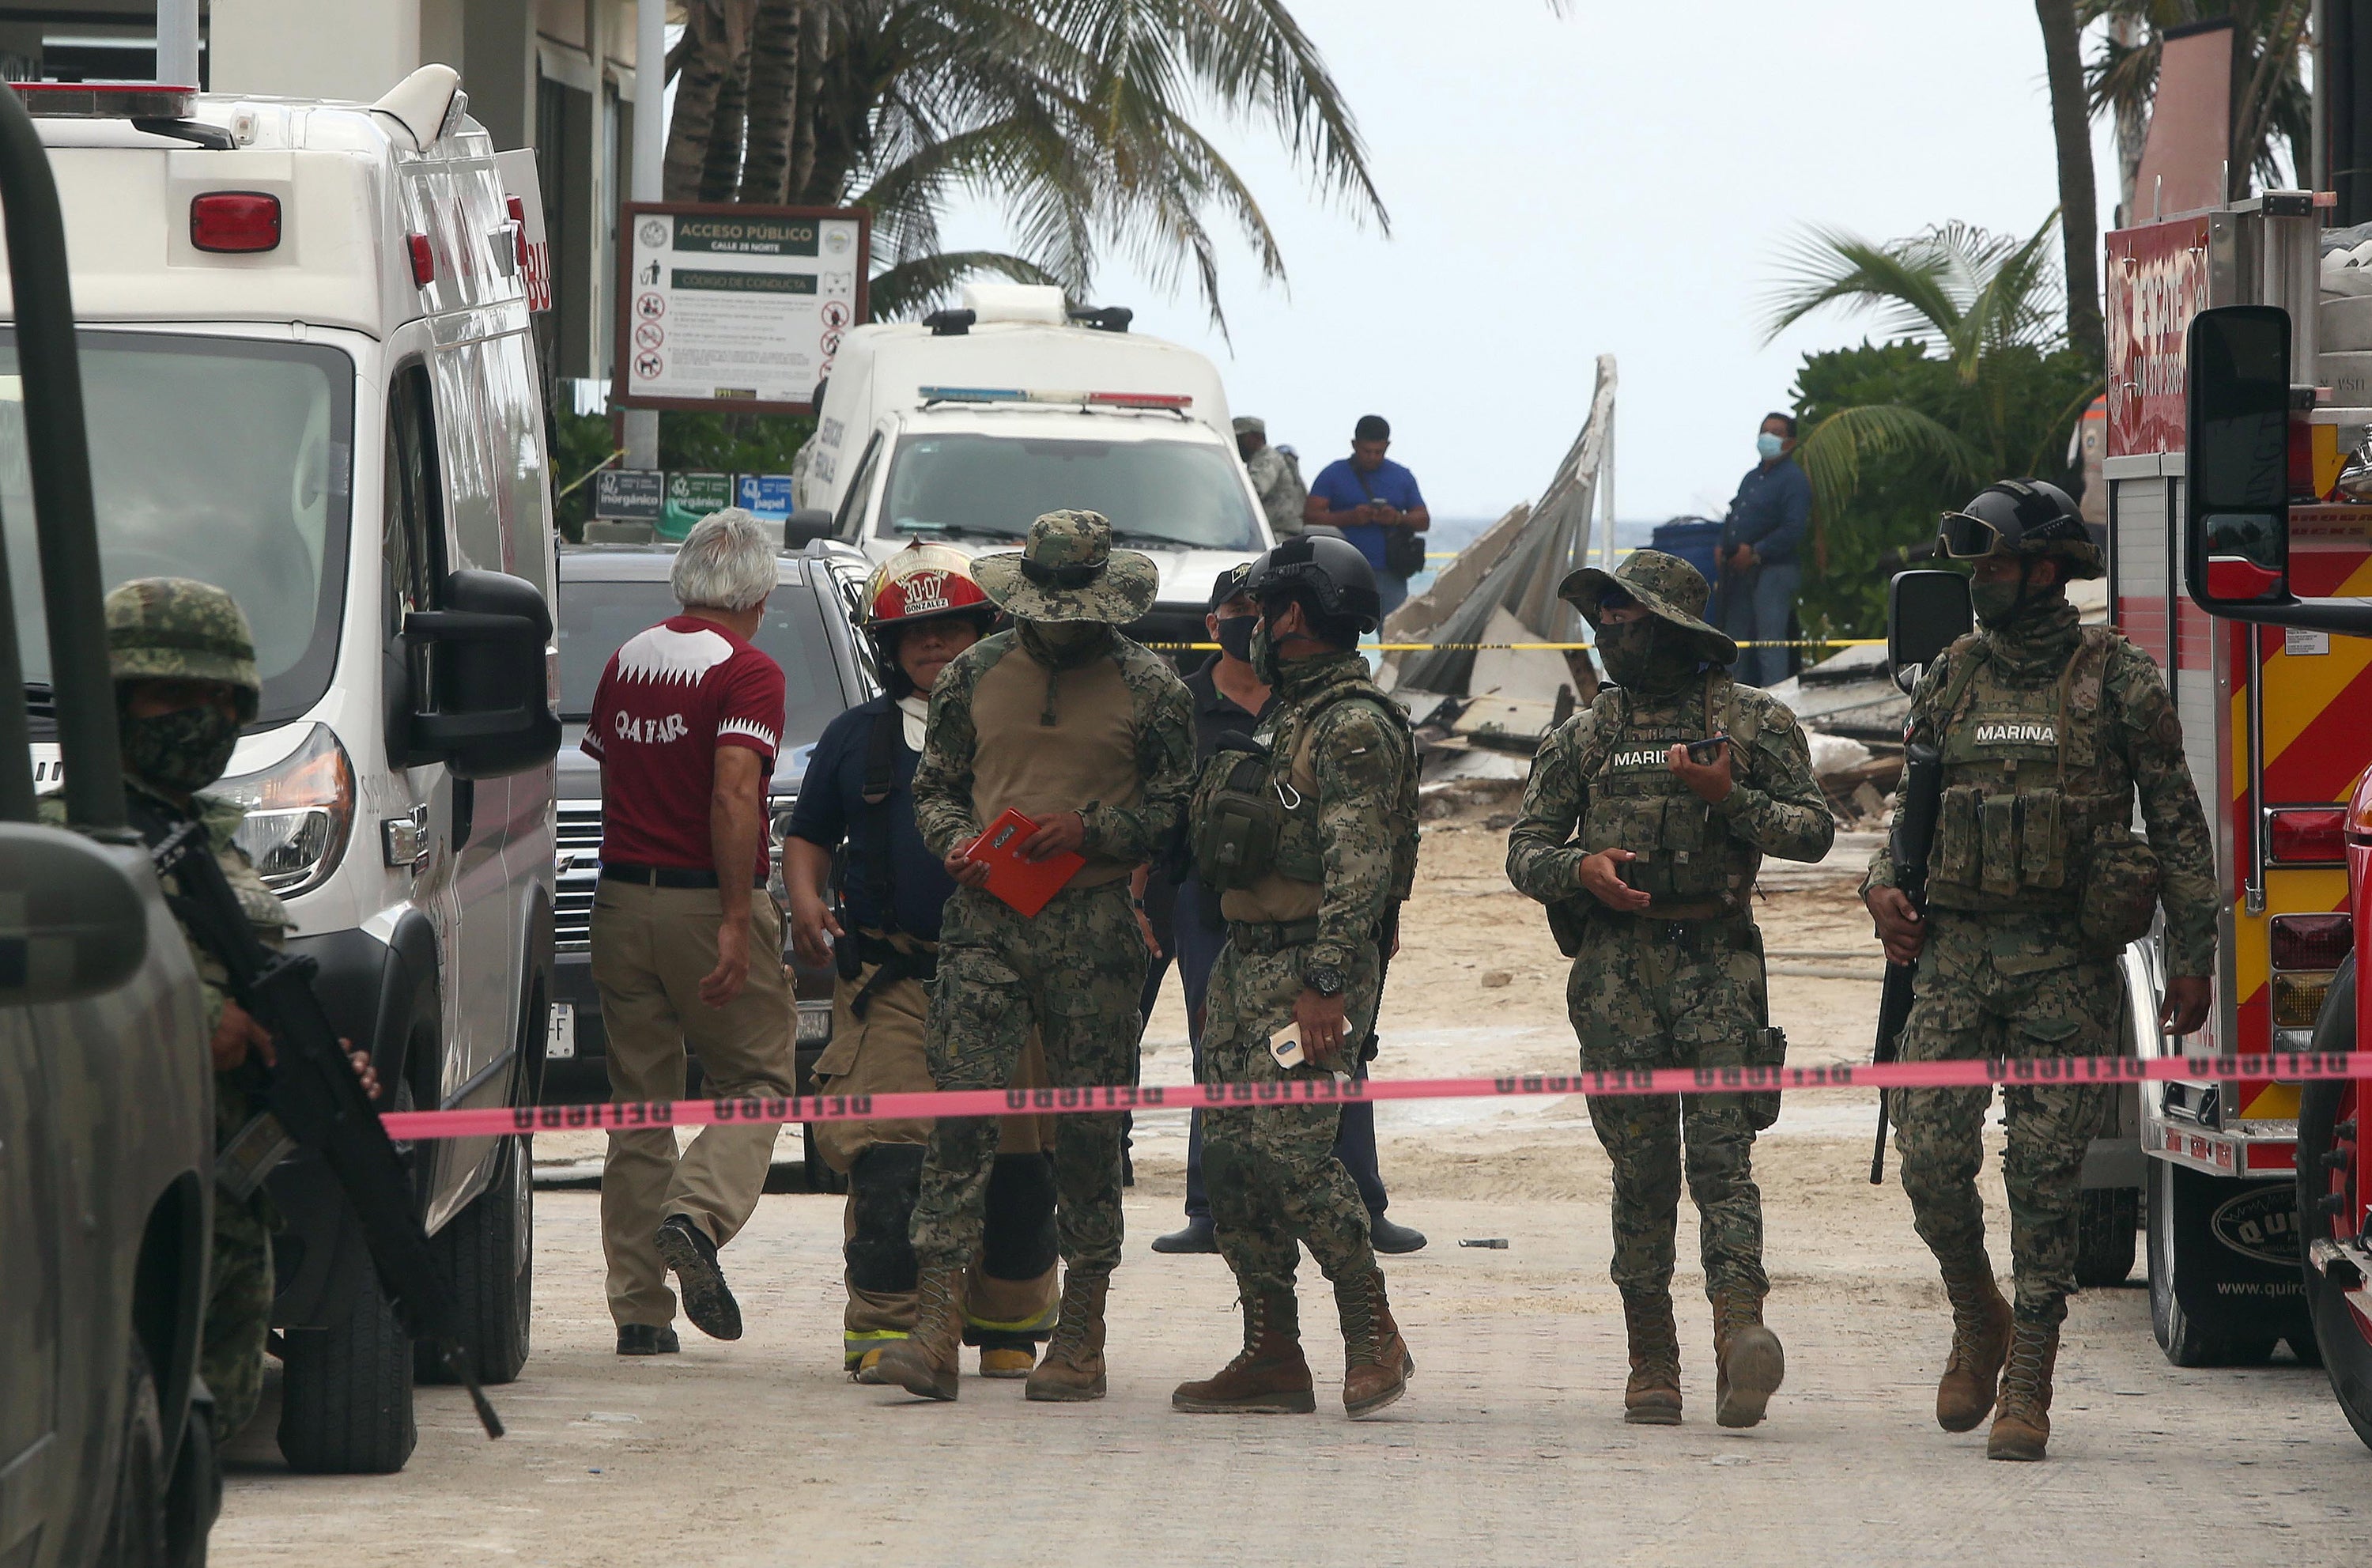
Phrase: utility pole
x=650 y=156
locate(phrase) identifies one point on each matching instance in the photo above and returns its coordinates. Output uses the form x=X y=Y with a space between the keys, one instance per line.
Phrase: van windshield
x=218 y=459
x=1178 y=494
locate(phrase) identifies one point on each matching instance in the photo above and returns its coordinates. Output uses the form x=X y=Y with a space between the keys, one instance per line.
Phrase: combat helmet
x=2021 y=517
x=178 y=629
x=1333 y=570
x=922 y=582
x=1664 y=585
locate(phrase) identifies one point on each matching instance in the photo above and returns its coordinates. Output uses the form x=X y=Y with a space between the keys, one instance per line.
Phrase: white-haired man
x=686 y=943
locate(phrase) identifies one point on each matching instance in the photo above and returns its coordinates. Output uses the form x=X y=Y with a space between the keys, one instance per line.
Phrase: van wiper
x=958 y=530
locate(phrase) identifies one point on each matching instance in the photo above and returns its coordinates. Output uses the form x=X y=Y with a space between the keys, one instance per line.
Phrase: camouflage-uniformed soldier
x=185 y=667
x=1092 y=737
x=1275 y=474
x=2035 y=883
x=1310 y=837
x=1647 y=857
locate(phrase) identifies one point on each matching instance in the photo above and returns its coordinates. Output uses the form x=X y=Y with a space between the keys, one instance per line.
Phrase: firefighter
x=2035 y=883
x=922 y=609
x=1645 y=854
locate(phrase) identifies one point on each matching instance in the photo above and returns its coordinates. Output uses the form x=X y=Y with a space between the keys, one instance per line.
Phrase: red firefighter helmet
x=922 y=582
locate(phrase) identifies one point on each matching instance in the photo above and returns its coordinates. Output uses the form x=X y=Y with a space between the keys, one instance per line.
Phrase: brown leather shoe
x=1269 y=1377
x=1748 y=1363
x=2022 y=1429
x=1980 y=1320
x=1073 y=1369
x=924 y=1362
x=1375 y=1361
x=1652 y=1398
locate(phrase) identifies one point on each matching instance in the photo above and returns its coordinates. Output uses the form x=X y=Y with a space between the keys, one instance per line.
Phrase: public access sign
x=734 y=308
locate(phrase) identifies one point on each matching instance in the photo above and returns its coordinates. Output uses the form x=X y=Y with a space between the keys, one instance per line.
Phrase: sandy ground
x=1509 y=1447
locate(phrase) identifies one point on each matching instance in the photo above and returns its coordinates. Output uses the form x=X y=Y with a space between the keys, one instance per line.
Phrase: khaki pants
x=882 y=1054
x=651 y=949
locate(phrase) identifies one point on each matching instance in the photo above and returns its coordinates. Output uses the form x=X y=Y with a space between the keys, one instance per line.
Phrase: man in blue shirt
x=923 y=608
x=1367 y=495
x=1760 y=553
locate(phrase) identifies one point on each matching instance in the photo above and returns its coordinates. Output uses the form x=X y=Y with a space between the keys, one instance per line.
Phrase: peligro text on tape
x=2040 y=1072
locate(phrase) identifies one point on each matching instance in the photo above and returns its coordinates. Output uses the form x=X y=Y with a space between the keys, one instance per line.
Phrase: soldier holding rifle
x=2047 y=731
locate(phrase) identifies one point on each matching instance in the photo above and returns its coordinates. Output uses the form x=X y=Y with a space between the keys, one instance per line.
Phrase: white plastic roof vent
x=1014 y=302
x=428 y=104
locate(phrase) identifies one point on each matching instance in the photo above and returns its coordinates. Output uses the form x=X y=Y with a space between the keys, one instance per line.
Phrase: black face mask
x=182 y=751
x=1638 y=656
x=1236 y=635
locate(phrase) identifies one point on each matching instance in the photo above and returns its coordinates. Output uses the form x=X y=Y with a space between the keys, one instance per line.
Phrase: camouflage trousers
x=1271 y=1170
x=2008 y=985
x=1074 y=971
x=1665 y=993
x=239 y=1314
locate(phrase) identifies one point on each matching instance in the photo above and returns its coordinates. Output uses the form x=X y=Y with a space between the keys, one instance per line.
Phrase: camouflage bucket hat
x=1668 y=587
x=176 y=629
x=1069 y=570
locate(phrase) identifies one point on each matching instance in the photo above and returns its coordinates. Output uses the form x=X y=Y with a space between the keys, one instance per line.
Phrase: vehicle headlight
x=299 y=814
x=815 y=1023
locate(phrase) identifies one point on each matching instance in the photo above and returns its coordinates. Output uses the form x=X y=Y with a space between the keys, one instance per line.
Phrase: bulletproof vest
x=2029 y=782
x=1689 y=862
x=1259 y=839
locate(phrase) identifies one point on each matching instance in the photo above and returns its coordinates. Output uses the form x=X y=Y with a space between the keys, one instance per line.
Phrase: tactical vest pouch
x=2121 y=885
x=2041 y=851
x=1955 y=859
x=1568 y=919
x=1678 y=858
x=1234 y=840
x=1997 y=844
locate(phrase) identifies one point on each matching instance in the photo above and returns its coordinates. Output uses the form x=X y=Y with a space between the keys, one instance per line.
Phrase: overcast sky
x=1619 y=181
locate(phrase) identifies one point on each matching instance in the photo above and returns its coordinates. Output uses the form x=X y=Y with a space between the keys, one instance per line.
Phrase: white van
x=963 y=427
x=308 y=379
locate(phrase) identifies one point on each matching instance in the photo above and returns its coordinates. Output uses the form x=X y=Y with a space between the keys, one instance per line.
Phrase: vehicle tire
x=2341 y=1332
x=136 y=1532
x=195 y=1500
x=2107 y=1231
x=345 y=1392
x=489 y=1253
x=821 y=1177
x=2185 y=1340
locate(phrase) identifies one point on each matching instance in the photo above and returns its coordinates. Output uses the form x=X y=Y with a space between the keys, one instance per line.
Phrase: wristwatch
x=1325 y=979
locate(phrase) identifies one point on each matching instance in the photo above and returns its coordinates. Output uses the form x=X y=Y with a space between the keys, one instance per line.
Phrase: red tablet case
x=1026 y=885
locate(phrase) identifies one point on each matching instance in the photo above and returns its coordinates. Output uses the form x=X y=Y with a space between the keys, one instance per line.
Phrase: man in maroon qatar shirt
x=687 y=945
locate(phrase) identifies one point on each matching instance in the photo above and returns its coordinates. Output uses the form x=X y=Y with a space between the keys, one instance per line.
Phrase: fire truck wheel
x=2330 y=1117
x=2186 y=1339
x=2107 y=1230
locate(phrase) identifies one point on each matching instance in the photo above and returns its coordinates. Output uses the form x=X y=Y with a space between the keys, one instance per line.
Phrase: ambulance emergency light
x=1174 y=401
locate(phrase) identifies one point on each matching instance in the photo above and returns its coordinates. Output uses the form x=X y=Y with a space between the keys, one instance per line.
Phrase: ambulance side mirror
x=488 y=709
x=2237 y=489
x=1926 y=612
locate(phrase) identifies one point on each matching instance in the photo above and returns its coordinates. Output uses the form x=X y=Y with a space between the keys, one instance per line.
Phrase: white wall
x=335 y=49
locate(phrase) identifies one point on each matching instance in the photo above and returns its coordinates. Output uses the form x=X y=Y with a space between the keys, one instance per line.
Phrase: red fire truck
x=2241 y=495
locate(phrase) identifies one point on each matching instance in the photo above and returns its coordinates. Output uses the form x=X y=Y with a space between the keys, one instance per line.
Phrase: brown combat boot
x=1269 y=1375
x=1964 y=1395
x=1074 y=1368
x=1652 y=1398
x=2022 y=1429
x=924 y=1362
x=1749 y=1363
x=1375 y=1361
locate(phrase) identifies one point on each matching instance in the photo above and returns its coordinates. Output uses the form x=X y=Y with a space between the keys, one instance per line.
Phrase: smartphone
x=1285 y=1048
x=1707 y=752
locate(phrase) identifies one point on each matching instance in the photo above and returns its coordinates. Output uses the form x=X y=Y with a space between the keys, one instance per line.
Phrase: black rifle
x=314 y=1093
x=1914 y=835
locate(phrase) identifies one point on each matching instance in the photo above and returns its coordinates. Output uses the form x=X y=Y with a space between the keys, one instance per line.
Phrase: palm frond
x=1833 y=451
x=921 y=283
x=1913 y=286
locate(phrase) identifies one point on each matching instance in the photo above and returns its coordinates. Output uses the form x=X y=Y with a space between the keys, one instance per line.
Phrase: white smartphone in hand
x=1285 y=1048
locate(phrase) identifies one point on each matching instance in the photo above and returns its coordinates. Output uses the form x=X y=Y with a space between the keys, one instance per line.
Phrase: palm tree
x=1073 y=114
x=1973 y=300
x=2070 y=127
x=2271 y=101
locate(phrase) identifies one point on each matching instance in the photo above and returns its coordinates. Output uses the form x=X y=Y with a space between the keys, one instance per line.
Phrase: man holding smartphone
x=1643 y=833
x=1376 y=503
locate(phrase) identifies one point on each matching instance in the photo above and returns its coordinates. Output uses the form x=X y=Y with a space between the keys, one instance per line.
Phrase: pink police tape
x=2057 y=1071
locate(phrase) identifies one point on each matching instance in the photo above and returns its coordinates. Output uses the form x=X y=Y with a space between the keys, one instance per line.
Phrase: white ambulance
x=308 y=378
x=962 y=427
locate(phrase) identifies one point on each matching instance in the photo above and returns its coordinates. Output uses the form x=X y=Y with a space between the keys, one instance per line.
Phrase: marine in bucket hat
x=1645 y=855
x=1068 y=571
x=1091 y=738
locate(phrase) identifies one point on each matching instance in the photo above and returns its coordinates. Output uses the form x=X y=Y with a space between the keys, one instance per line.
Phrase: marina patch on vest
x=2016 y=732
